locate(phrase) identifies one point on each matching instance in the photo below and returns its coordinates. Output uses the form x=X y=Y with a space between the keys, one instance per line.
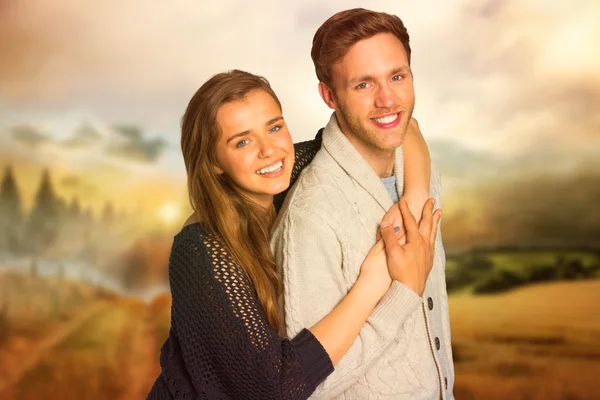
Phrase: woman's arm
x=221 y=341
x=417 y=170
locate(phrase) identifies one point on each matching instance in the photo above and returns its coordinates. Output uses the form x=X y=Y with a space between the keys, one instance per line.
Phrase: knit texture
x=325 y=229
x=304 y=152
x=221 y=345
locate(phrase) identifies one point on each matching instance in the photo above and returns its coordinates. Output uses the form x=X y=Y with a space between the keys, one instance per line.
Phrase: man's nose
x=385 y=97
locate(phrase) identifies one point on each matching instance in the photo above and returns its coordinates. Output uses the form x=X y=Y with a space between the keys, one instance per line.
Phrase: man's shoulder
x=319 y=194
x=319 y=182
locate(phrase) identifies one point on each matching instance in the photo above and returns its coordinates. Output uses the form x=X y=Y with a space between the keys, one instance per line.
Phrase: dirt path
x=40 y=349
x=140 y=362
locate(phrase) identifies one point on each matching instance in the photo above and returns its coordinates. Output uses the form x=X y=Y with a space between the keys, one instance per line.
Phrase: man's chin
x=390 y=141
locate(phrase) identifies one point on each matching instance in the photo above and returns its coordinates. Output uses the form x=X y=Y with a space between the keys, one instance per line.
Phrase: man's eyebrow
x=403 y=69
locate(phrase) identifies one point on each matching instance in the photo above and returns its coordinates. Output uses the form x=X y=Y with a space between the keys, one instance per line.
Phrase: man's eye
x=362 y=85
x=242 y=143
x=275 y=129
x=397 y=77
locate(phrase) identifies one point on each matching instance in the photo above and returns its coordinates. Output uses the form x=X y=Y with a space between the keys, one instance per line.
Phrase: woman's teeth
x=272 y=168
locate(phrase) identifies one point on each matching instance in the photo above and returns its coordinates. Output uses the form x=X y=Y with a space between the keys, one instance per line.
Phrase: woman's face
x=255 y=149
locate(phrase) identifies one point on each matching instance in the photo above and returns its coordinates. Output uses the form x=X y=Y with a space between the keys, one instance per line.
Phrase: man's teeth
x=272 y=168
x=386 y=120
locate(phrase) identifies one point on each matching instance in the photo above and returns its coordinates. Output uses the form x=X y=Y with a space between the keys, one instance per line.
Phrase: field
x=536 y=342
x=67 y=340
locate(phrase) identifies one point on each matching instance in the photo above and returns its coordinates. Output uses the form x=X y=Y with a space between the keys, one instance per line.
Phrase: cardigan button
x=437 y=343
x=430 y=303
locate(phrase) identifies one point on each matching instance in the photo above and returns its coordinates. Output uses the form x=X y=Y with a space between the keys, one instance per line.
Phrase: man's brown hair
x=335 y=37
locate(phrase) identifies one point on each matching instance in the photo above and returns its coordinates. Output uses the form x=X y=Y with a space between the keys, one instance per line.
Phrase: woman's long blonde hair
x=242 y=225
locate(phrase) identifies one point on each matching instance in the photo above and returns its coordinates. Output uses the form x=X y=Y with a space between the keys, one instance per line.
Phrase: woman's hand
x=411 y=262
x=374 y=270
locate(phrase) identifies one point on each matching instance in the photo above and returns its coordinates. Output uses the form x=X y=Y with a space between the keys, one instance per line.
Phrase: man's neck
x=382 y=161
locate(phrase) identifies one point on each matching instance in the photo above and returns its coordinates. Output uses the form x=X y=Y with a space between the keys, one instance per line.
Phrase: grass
x=521 y=261
x=494 y=271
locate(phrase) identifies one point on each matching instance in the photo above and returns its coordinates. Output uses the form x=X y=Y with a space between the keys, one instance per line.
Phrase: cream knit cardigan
x=322 y=234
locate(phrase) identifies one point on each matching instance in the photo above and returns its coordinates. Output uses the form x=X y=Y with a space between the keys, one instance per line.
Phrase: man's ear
x=327 y=96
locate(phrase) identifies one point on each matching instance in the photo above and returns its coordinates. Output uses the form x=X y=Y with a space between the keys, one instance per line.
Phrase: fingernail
x=396 y=229
x=384 y=224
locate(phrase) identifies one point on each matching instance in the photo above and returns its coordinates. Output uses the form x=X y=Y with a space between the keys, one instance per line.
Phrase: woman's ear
x=218 y=170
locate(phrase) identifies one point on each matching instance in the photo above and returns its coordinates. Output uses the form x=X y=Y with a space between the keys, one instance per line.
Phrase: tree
x=108 y=213
x=11 y=215
x=44 y=220
x=74 y=209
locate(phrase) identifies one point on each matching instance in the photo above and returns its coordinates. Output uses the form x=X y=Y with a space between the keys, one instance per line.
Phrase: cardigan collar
x=337 y=145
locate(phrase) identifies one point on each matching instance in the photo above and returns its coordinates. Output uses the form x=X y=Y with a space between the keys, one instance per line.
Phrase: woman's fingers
x=389 y=238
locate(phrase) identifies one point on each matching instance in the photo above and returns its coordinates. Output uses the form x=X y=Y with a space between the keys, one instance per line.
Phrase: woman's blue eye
x=275 y=128
x=242 y=143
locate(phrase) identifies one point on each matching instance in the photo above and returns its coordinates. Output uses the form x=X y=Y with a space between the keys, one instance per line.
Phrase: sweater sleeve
x=226 y=342
x=310 y=253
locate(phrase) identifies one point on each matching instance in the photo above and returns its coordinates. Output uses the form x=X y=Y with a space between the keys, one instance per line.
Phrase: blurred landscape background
x=92 y=183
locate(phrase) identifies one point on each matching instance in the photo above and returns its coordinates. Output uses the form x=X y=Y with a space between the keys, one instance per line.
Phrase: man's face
x=373 y=93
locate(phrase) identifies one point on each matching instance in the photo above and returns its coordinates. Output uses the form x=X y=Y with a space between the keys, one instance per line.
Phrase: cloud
x=511 y=92
x=536 y=209
x=29 y=135
x=515 y=80
x=130 y=144
x=457 y=161
x=85 y=136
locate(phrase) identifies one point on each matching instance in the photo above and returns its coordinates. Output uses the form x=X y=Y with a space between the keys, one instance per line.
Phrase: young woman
x=224 y=340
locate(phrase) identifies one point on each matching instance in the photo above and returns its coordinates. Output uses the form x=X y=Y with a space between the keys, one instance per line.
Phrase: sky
x=95 y=90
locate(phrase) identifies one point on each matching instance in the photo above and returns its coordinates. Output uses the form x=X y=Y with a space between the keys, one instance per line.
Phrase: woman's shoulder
x=192 y=235
x=191 y=248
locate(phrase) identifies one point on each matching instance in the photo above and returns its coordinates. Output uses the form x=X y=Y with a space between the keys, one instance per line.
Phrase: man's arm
x=310 y=251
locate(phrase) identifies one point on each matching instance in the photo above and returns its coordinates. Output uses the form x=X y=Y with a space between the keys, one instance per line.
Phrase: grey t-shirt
x=390 y=185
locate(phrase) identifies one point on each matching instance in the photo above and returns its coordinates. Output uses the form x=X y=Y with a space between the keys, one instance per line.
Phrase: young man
x=331 y=216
